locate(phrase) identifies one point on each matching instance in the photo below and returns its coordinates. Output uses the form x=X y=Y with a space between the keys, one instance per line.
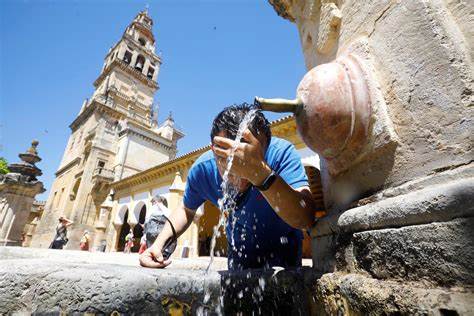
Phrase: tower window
x=127 y=57
x=150 y=73
x=140 y=63
x=142 y=41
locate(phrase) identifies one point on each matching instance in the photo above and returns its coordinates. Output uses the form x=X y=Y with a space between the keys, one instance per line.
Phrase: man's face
x=235 y=181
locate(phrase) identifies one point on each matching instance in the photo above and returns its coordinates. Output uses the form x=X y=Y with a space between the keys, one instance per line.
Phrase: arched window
x=150 y=73
x=140 y=62
x=127 y=57
x=142 y=41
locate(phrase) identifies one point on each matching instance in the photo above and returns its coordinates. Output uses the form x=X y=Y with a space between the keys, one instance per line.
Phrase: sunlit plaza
x=286 y=157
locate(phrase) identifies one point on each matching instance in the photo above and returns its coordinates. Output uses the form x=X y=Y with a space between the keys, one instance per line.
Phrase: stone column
x=157 y=69
x=134 y=59
x=6 y=224
x=121 y=52
x=102 y=223
x=115 y=237
x=188 y=241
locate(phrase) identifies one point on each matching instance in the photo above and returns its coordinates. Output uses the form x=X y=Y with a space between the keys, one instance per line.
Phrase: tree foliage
x=3 y=166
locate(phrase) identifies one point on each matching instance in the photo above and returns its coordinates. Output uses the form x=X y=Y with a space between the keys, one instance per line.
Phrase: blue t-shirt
x=258 y=236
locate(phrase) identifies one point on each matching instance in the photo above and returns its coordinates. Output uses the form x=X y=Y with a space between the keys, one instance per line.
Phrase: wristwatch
x=267 y=183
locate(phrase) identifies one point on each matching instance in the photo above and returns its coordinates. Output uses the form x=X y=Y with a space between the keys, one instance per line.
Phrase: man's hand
x=181 y=217
x=153 y=258
x=249 y=157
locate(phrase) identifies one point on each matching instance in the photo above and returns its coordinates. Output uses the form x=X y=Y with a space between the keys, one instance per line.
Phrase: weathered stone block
x=353 y=294
x=439 y=252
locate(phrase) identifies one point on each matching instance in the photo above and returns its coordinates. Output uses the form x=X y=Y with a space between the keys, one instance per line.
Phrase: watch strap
x=267 y=183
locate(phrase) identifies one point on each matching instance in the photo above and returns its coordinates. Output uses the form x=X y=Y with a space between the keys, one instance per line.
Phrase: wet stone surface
x=42 y=282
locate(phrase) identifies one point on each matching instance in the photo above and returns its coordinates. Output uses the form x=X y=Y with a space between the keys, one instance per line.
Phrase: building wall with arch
x=133 y=203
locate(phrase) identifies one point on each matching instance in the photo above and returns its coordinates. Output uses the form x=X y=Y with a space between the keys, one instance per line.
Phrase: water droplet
x=261 y=283
x=207 y=297
x=240 y=294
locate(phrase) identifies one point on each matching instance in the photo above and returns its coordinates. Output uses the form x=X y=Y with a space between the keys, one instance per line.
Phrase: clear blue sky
x=215 y=53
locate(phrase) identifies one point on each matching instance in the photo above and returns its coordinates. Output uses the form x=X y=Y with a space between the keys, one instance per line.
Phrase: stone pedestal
x=18 y=189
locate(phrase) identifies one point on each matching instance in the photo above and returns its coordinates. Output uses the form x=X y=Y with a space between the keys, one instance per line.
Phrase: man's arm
x=181 y=218
x=295 y=206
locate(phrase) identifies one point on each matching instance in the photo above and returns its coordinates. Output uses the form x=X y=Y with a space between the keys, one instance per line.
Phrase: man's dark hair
x=228 y=121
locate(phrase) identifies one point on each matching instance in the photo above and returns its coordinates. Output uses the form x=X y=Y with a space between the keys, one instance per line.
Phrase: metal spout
x=278 y=105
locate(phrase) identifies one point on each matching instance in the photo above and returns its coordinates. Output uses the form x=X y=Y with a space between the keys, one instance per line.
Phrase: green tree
x=3 y=166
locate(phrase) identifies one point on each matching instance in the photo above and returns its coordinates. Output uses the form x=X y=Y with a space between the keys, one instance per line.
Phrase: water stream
x=227 y=203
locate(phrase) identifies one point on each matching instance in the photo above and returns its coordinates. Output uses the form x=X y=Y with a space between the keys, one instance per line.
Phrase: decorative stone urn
x=18 y=189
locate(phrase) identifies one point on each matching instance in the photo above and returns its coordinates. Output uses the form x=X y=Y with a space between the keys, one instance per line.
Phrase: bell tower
x=115 y=135
x=131 y=69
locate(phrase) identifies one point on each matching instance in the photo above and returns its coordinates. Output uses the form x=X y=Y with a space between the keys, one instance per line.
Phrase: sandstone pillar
x=100 y=238
x=187 y=243
x=145 y=67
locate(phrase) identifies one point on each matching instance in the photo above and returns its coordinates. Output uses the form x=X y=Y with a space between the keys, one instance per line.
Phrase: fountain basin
x=66 y=281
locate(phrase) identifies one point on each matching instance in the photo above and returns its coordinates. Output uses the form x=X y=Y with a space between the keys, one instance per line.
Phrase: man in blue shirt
x=273 y=203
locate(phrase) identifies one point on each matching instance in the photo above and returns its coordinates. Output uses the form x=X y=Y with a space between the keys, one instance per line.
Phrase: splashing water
x=227 y=203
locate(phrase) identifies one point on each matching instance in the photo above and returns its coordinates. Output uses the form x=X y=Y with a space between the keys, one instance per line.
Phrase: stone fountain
x=387 y=103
